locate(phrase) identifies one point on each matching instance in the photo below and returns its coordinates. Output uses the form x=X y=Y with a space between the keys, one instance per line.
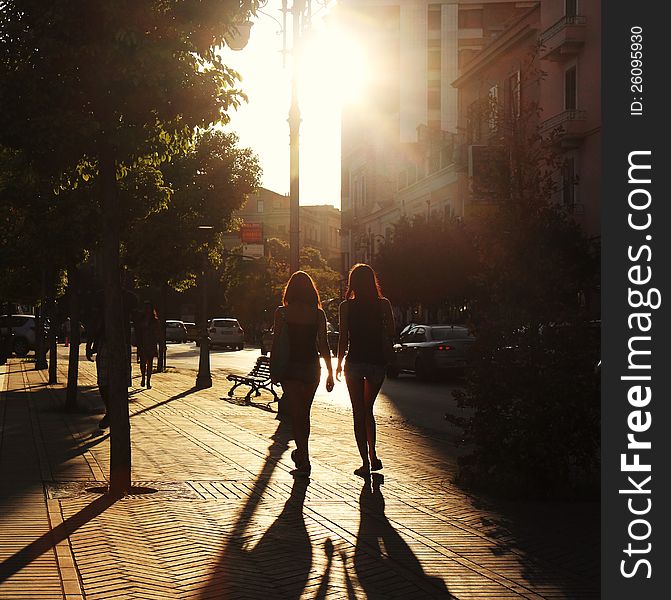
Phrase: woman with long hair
x=366 y=326
x=301 y=313
x=147 y=335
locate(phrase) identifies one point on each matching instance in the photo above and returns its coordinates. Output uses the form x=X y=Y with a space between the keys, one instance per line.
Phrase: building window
x=433 y=59
x=434 y=162
x=493 y=98
x=470 y=19
x=571 y=8
x=571 y=89
x=259 y=206
x=568 y=183
x=514 y=94
x=434 y=17
x=434 y=99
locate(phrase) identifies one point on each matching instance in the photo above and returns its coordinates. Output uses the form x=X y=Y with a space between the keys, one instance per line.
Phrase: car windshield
x=227 y=323
x=449 y=333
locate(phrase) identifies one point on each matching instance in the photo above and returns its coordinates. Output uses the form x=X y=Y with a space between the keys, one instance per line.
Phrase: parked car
x=226 y=332
x=23 y=330
x=427 y=350
x=175 y=331
x=192 y=331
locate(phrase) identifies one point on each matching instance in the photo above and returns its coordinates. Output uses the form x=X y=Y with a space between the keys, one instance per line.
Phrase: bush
x=535 y=429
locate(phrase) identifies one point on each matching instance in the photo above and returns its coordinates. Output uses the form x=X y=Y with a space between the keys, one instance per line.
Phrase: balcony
x=568 y=128
x=564 y=39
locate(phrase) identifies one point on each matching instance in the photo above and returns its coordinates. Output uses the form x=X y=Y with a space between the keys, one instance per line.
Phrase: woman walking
x=366 y=331
x=147 y=334
x=305 y=322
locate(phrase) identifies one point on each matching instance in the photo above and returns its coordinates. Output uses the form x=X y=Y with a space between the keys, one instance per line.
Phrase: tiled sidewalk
x=229 y=521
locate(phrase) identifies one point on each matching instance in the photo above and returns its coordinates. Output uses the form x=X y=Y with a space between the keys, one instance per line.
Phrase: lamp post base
x=203 y=382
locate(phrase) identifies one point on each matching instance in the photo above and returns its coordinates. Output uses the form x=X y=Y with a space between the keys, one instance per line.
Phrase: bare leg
x=355 y=385
x=299 y=396
x=371 y=390
x=148 y=369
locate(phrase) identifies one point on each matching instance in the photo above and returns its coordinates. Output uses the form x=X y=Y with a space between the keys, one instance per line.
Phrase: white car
x=226 y=332
x=23 y=332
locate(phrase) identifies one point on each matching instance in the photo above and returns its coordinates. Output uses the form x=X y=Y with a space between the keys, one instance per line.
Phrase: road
x=404 y=400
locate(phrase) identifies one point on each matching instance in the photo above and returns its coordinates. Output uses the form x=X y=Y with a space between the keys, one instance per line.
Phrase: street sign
x=252 y=251
x=252 y=233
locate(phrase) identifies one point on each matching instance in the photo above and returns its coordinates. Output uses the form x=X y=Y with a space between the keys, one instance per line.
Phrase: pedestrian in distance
x=366 y=334
x=300 y=324
x=147 y=336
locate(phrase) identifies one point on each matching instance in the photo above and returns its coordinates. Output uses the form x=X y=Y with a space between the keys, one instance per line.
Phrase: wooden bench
x=257 y=379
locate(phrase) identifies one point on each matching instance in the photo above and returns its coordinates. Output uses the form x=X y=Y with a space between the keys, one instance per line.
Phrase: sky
x=262 y=124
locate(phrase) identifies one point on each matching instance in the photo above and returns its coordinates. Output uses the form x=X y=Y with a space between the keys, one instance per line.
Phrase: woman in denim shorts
x=301 y=313
x=366 y=320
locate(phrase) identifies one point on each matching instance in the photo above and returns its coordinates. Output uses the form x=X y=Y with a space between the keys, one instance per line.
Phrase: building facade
x=405 y=151
x=398 y=145
x=319 y=224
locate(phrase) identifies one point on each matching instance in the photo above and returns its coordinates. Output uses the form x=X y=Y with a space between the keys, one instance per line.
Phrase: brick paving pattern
x=227 y=519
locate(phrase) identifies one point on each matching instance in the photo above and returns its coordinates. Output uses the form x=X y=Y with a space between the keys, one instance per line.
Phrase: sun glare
x=332 y=65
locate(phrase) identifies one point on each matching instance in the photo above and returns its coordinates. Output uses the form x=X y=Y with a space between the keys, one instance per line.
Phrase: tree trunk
x=73 y=357
x=162 y=365
x=114 y=338
x=40 y=349
x=53 y=341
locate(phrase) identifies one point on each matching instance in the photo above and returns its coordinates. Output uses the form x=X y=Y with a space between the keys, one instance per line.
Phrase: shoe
x=376 y=465
x=148 y=386
x=362 y=471
x=142 y=382
x=104 y=423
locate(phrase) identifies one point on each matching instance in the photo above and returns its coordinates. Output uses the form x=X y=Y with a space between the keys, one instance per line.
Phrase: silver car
x=226 y=332
x=429 y=349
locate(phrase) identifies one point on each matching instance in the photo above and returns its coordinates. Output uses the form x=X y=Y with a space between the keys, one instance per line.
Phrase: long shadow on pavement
x=378 y=543
x=279 y=564
x=536 y=532
x=49 y=540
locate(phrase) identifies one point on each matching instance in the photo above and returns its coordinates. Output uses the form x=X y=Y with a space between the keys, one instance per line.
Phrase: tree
x=91 y=90
x=254 y=288
x=532 y=388
x=431 y=263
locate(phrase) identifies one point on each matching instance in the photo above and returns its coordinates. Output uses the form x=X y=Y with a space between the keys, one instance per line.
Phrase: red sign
x=251 y=233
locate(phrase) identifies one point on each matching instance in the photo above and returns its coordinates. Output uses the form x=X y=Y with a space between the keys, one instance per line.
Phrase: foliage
x=254 y=288
x=203 y=187
x=428 y=263
x=532 y=388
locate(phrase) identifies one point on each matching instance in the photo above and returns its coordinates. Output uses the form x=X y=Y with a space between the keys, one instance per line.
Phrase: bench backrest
x=262 y=367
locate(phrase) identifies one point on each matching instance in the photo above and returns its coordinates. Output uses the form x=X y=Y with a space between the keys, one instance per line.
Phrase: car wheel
x=21 y=347
x=241 y=346
x=420 y=370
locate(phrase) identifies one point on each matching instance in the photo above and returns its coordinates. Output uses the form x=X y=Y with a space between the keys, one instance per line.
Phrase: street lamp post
x=294 y=145
x=204 y=377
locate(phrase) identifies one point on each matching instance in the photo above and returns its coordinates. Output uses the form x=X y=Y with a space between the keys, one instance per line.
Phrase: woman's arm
x=343 y=336
x=324 y=350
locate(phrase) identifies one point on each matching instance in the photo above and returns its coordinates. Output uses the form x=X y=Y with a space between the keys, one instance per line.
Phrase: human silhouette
x=366 y=328
x=301 y=313
x=147 y=335
x=377 y=538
